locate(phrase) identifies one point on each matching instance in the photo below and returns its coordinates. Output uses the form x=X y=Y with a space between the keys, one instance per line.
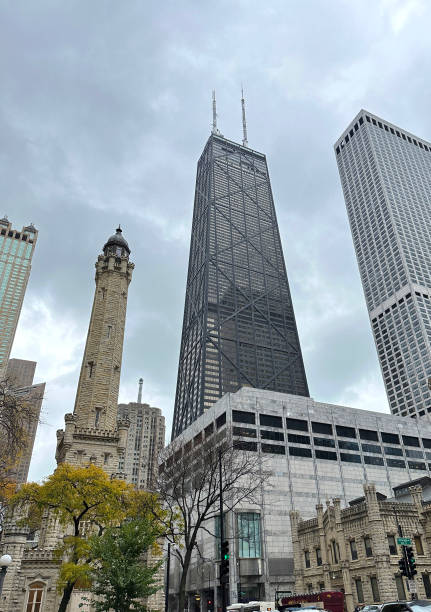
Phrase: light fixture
x=5 y=560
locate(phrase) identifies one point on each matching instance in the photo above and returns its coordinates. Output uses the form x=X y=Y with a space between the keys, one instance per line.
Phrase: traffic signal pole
x=222 y=584
x=412 y=571
x=402 y=562
x=407 y=562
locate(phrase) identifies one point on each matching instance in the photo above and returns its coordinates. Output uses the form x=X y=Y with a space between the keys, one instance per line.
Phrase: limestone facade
x=355 y=549
x=91 y=433
x=314 y=451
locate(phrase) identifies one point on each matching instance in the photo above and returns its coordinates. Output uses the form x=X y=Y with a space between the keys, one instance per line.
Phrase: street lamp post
x=5 y=561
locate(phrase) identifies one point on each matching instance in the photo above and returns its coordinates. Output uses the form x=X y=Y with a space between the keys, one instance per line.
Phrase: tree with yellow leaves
x=17 y=415
x=85 y=501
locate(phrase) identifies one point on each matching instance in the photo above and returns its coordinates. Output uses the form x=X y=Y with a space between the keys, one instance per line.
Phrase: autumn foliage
x=85 y=501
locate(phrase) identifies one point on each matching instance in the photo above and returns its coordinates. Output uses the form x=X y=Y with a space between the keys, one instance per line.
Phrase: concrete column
x=348 y=595
x=190 y=602
x=298 y=570
x=203 y=602
x=327 y=576
x=416 y=493
x=13 y=543
x=216 y=599
x=344 y=561
x=323 y=547
x=385 y=578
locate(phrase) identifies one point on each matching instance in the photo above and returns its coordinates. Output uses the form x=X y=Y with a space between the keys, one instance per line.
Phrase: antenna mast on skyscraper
x=214 y=130
x=244 y=123
x=141 y=381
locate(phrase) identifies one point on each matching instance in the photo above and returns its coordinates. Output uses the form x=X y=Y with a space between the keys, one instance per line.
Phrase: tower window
x=109 y=330
x=90 y=369
x=35 y=596
x=103 y=290
x=97 y=417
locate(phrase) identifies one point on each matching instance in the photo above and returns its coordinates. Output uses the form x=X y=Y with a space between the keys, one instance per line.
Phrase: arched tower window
x=97 y=417
x=35 y=596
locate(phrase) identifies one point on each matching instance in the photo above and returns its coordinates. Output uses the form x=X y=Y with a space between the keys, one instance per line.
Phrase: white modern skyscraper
x=386 y=178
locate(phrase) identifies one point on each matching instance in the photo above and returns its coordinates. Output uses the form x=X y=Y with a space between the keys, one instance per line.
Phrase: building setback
x=239 y=327
x=16 y=252
x=355 y=549
x=385 y=173
x=314 y=451
x=145 y=440
x=20 y=374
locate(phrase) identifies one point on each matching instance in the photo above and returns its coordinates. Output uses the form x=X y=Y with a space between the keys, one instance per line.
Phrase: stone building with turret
x=92 y=434
x=355 y=549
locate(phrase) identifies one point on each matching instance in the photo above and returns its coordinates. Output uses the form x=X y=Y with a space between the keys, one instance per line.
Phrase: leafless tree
x=18 y=415
x=189 y=488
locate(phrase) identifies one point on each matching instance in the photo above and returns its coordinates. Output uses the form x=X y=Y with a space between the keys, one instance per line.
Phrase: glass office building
x=239 y=327
x=16 y=252
x=386 y=178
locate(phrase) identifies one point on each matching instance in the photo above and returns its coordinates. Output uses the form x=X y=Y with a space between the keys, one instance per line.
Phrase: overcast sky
x=105 y=107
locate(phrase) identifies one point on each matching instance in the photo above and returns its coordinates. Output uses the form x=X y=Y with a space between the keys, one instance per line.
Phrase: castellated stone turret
x=92 y=433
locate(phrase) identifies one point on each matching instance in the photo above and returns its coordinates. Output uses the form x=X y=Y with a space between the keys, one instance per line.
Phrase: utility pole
x=222 y=584
x=168 y=572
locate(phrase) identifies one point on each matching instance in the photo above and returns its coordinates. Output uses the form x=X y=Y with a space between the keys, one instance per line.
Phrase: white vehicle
x=252 y=606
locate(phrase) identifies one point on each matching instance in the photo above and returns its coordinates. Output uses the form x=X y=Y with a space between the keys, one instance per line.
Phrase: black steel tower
x=239 y=327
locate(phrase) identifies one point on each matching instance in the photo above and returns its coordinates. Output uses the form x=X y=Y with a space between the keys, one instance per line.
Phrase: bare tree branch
x=189 y=487
x=18 y=415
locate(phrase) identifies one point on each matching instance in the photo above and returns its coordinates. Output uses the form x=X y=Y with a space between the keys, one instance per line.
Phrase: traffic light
x=224 y=565
x=411 y=561
x=403 y=567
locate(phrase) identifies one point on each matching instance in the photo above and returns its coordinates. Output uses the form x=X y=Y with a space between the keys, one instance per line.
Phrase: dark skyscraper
x=239 y=327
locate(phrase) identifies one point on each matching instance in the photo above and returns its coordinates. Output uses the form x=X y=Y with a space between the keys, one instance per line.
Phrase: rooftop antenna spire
x=244 y=122
x=214 y=130
x=141 y=380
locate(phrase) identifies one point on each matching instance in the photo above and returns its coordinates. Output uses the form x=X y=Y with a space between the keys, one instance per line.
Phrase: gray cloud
x=104 y=110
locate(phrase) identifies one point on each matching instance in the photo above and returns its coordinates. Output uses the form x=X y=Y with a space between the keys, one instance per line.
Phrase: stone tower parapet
x=92 y=433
